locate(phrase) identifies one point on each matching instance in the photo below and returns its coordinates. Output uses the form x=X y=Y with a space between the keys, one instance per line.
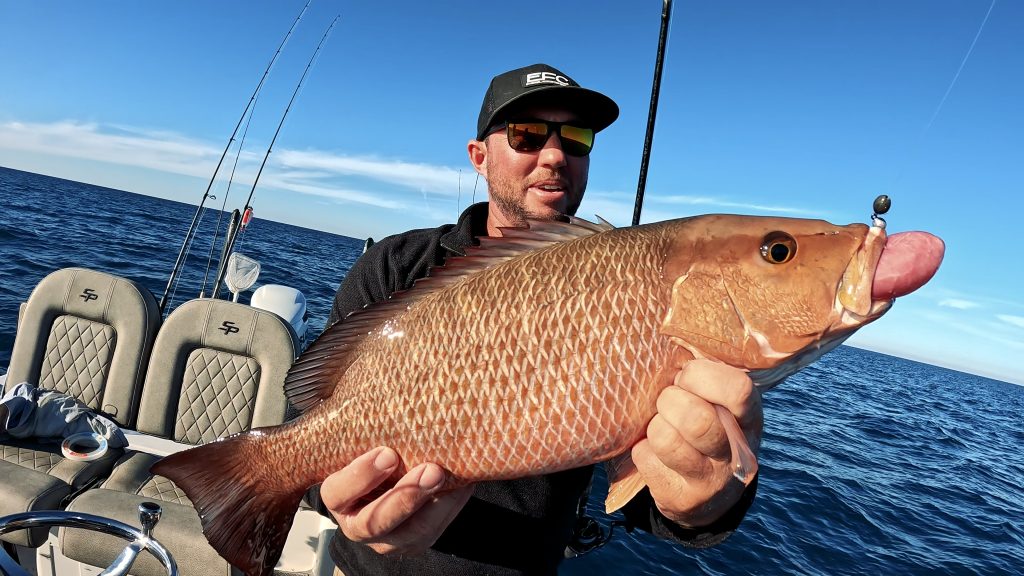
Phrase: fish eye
x=778 y=248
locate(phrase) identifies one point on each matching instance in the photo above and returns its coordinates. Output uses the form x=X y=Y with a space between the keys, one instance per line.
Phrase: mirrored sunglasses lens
x=527 y=136
x=577 y=141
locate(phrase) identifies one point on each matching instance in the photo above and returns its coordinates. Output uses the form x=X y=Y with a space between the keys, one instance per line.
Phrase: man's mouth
x=550 y=186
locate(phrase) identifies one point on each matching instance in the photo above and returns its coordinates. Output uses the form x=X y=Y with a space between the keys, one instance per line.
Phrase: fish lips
x=885 y=268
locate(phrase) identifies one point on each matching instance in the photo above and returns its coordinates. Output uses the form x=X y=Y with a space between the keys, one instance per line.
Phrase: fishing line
x=230 y=240
x=298 y=88
x=961 y=68
x=949 y=90
x=188 y=249
x=224 y=204
x=195 y=219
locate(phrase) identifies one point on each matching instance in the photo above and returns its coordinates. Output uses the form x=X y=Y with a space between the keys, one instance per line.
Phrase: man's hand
x=407 y=519
x=686 y=456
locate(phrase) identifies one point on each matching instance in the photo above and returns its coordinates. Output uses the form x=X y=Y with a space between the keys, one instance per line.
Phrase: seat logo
x=88 y=295
x=228 y=327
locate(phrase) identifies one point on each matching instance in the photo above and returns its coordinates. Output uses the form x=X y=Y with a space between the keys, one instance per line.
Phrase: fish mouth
x=883 y=269
x=854 y=302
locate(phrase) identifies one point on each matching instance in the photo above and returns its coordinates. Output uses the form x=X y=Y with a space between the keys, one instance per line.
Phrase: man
x=534 y=134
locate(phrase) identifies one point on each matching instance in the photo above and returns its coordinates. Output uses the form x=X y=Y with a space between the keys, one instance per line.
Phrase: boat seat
x=87 y=334
x=217 y=368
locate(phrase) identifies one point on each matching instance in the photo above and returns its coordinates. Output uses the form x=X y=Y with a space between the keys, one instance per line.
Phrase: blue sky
x=791 y=108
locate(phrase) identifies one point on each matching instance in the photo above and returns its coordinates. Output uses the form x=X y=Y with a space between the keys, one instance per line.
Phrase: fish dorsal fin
x=494 y=250
x=315 y=374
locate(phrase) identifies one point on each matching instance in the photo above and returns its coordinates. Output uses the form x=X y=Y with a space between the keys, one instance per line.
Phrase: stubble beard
x=508 y=203
x=509 y=197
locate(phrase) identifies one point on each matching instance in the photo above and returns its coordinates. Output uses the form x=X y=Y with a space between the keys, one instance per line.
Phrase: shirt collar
x=471 y=225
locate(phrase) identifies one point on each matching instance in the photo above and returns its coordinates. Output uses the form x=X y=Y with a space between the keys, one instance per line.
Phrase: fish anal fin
x=244 y=519
x=624 y=481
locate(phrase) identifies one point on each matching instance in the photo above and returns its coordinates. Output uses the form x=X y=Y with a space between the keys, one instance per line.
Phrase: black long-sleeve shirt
x=517 y=526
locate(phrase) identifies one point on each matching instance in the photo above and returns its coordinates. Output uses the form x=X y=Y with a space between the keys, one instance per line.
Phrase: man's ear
x=478 y=156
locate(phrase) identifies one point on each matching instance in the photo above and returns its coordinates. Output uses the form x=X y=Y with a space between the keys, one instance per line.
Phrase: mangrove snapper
x=545 y=350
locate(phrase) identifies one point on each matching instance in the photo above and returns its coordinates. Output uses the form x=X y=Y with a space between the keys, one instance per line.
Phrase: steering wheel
x=149 y=514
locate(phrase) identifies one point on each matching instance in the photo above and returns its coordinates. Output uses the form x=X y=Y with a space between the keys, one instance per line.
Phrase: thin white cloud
x=617 y=207
x=416 y=176
x=158 y=151
x=986 y=330
x=612 y=207
x=959 y=303
x=721 y=203
x=356 y=196
x=1017 y=321
x=308 y=172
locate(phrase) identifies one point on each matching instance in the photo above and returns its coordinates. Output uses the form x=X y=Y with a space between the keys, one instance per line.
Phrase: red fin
x=244 y=519
x=625 y=482
x=315 y=374
x=744 y=463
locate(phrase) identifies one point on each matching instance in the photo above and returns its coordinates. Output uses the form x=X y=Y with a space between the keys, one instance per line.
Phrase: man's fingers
x=717 y=383
x=344 y=489
x=693 y=419
x=385 y=514
x=728 y=387
x=425 y=526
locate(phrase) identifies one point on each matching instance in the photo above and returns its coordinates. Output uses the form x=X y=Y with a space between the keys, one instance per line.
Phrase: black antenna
x=655 y=89
x=195 y=219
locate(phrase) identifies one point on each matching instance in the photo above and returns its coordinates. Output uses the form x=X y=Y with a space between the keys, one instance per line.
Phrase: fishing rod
x=195 y=219
x=223 y=205
x=248 y=201
x=645 y=159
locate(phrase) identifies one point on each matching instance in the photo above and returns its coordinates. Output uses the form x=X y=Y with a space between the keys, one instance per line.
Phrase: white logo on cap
x=534 y=78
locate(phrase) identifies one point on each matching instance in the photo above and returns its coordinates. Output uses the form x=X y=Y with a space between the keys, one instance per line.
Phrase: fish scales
x=558 y=375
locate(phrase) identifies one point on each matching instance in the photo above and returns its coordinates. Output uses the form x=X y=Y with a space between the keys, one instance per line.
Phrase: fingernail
x=386 y=460
x=431 y=478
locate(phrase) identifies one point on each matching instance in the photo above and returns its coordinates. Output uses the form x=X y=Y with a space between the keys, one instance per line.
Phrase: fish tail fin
x=245 y=506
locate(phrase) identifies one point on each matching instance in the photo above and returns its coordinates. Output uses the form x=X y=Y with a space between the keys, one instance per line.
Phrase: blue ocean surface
x=870 y=464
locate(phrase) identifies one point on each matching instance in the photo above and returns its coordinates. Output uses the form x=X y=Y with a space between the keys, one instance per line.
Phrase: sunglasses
x=531 y=135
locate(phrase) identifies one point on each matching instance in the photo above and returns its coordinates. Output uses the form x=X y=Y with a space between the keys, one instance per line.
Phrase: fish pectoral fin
x=624 y=480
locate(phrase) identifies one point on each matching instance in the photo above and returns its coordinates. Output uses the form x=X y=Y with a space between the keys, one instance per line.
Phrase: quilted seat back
x=217 y=368
x=88 y=334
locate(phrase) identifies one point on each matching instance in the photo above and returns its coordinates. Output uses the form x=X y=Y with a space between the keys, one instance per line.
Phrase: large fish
x=544 y=350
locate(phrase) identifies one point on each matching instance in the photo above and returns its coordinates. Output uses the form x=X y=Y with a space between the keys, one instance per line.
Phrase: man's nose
x=552 y=154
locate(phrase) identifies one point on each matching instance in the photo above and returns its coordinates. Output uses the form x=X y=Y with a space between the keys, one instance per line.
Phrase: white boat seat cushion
x=33 y=490
x=88 y=334
x=47 y=459
x=218 y=368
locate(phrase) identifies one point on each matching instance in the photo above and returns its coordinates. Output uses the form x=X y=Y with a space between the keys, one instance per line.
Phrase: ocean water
x=870 y=464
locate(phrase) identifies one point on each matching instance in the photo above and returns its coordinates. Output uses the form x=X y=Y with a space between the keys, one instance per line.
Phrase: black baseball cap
x=542 y=84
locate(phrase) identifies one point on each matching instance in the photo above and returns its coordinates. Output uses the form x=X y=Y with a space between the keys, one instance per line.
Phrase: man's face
x=540 y=184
